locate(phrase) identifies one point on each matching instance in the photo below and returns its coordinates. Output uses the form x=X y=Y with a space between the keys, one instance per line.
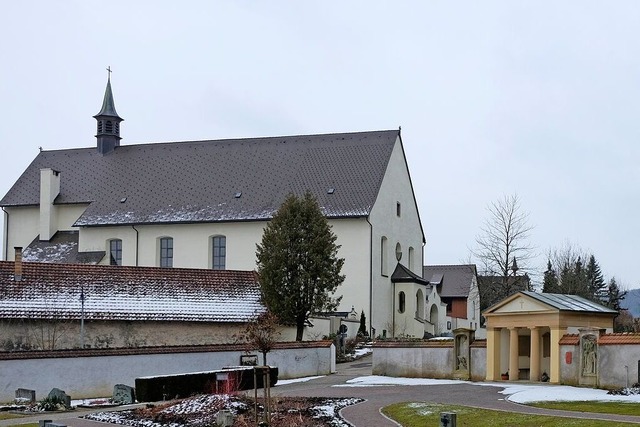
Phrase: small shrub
x=53 y=403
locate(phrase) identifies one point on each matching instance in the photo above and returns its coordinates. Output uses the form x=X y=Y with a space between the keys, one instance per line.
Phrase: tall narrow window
x=115 y=252
x=383 y=256
x=411 y=258
x=166 y=252
x=401 y=302
x=219 y=252
x=398 y=209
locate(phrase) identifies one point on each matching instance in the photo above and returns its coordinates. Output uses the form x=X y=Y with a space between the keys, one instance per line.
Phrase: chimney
x=49 y=190
x=17 y=275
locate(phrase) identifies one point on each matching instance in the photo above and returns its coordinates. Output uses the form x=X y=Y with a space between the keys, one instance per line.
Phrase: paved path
x=367 y=414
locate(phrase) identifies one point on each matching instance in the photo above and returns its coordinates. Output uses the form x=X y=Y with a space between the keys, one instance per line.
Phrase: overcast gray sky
x=530 y=97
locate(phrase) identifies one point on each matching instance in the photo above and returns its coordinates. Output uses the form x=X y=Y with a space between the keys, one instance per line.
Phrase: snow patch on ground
x=377 y=380
x=527 y=393
x=297 y=380
x=519 y=393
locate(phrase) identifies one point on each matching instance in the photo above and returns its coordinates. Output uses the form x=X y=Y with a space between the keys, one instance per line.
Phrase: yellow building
x=524 y=332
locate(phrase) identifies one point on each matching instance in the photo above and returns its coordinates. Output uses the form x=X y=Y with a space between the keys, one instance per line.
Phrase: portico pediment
x=521 y=303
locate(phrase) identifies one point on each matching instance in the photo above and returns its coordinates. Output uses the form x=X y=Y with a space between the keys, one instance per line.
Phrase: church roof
x=455 y=280
x=108 y=104
x=209 y=181
x=128 y=293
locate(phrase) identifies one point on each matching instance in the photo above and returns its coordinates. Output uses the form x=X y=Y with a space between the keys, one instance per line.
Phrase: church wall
x=192 y=249
x=404 y=229
x=23 y=226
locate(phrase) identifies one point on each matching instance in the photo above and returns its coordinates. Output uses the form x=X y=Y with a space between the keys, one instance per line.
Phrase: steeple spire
x=108 y=133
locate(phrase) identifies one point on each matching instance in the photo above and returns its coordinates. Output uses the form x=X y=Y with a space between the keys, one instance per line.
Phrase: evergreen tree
x=595 y=282
x=550 y=283
x=298 y=265
x=614 y=294
x=362 y=330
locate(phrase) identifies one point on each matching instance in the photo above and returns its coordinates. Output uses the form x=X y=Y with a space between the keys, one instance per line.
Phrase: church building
x=204 y=205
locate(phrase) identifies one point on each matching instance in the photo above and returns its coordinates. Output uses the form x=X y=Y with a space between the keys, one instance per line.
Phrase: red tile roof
x=619 y=338
x=570 y=339
x=128 y=293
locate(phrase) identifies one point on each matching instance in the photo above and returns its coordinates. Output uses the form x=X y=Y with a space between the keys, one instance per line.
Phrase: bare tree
x=503 y=250
x=262 y=334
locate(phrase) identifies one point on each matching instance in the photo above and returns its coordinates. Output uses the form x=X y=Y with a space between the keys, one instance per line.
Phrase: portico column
x=493 y=354
x=556 y=334
x=534 y=359
x=513 y=354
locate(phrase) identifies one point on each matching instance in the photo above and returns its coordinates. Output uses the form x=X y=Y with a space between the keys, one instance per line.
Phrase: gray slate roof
x=62 y=248
x=128 y=293
x=402 y=274
x=456 y=279
x=197 y=181
x=564 y=302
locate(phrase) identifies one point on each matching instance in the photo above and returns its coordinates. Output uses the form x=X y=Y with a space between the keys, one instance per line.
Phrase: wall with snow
x=95 y=374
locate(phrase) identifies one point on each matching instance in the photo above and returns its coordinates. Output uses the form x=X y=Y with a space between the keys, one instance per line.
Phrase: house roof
x=455 y=280
x=560 y=302
x=210 y=181
x=128 y=293
x=564 y=302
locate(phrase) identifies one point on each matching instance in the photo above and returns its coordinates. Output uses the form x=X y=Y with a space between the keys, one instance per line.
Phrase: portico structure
x=524 y=331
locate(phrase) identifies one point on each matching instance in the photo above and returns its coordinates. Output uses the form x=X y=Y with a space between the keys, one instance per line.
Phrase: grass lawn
x=622 y=408
x=8 y=416
x=424 y=414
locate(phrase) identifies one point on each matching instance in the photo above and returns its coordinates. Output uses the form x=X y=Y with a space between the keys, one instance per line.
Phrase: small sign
x=343 y=328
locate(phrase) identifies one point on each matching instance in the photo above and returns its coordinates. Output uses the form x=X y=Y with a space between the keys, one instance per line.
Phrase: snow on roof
x=54 y=291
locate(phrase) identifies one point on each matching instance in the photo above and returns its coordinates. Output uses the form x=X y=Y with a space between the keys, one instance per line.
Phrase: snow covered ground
x=520 y=393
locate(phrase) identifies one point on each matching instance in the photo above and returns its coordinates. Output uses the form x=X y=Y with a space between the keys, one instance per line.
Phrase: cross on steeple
x=109 y=70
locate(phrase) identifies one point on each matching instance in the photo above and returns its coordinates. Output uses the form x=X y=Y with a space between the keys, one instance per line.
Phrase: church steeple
x=108 y=133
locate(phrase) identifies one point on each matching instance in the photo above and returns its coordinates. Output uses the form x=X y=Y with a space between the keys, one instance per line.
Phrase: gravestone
x=25 y=395
x=60 y=394
x=124 y=394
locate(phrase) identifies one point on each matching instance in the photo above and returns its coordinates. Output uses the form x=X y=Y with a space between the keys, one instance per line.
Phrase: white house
x=204 y=204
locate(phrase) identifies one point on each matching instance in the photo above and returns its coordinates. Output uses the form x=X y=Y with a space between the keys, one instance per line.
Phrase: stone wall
x=93 y=373
x=617 y=357
x=425 y=359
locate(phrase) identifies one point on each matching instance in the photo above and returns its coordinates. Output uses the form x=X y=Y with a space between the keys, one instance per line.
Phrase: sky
x=494 y=98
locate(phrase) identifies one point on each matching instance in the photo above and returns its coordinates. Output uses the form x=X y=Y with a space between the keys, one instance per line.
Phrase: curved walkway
x=367 y=414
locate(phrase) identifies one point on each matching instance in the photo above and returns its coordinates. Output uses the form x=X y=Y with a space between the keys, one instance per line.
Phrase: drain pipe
x=137 y=236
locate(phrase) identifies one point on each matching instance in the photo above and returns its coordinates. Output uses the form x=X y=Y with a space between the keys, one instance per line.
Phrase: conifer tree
x=550 y=283
x=298 y=265
x=614 y=294
x=362 y=330
x=595 y=281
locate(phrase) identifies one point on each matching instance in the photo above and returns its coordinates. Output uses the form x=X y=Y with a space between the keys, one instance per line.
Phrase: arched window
x=109 y=126
x=99 y=126
x=383 y=256
x=401 y=302
x=219 y=252
x=166 y=252
x=115 y=252
x=398 y=251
